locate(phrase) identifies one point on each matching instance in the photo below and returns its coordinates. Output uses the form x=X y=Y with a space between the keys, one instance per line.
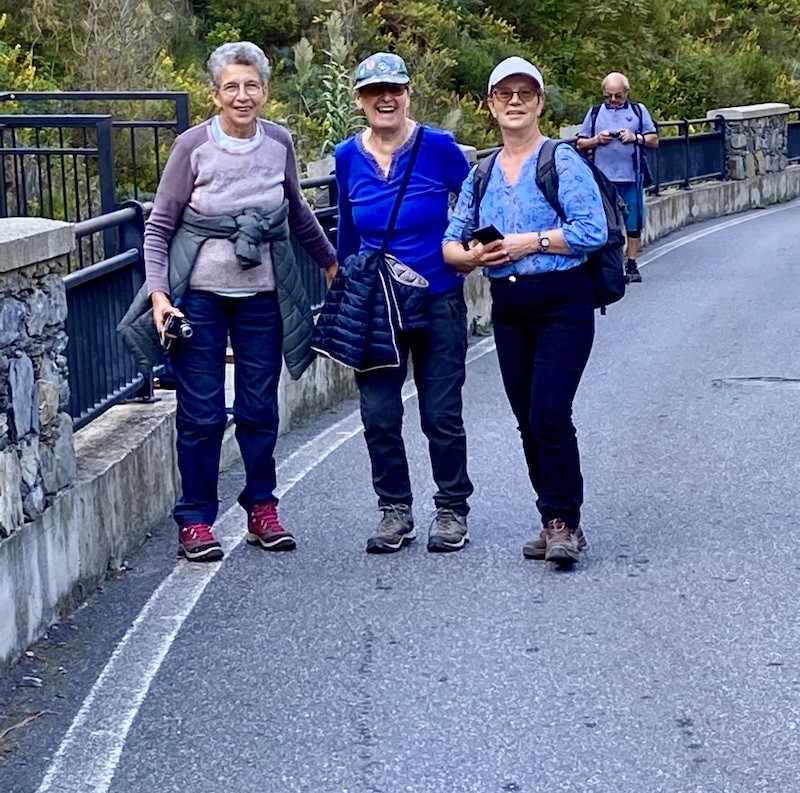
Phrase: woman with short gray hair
x=217 y=252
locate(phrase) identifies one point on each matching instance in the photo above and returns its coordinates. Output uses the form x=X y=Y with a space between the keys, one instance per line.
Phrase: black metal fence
x=793 y=135
x=70 y=165
x=102 y=372
x=690 y=150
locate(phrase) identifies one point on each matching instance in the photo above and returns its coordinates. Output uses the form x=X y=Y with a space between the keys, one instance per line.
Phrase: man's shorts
x=633 y=196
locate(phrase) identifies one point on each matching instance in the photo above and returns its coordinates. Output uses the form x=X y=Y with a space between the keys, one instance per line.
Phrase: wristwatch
x=544 y=243
x=640 y=139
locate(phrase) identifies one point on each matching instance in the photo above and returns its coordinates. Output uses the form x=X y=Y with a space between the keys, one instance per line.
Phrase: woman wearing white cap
x=542 y=296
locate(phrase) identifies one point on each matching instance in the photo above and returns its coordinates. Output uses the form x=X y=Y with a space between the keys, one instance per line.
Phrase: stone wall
x=36 y=449
x=755 y=138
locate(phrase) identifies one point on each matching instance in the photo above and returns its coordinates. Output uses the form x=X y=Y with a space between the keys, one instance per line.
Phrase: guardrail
x=102 y=372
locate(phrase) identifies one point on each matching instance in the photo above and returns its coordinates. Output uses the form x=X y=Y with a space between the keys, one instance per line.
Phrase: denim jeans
x=544 y=329
x=438 y=356
x=255 y=330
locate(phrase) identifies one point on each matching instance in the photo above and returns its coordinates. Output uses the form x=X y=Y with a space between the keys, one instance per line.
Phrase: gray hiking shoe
x=448 y=531
x=396 y=529
x=537 y=547
x=562 y=544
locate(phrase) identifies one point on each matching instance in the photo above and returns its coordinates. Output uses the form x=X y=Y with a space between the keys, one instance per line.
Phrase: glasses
x=505 y=95
x=379 y=89
x=251 y=88
x=615 y=97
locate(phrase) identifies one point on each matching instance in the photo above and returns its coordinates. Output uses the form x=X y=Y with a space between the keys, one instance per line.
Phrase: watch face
x=544 y=243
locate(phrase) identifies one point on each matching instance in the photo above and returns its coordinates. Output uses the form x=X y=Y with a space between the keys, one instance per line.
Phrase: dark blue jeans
x=255 y=330
x=438 y=355
x=544 y=329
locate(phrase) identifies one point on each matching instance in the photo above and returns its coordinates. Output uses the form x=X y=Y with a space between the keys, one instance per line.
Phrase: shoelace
x=557 y=528
x=199 y=532
x=447 y=518
x=392 y=520
x=266 y=517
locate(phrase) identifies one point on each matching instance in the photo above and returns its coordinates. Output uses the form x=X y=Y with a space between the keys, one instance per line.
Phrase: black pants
x=438 y=355
x=544 y=328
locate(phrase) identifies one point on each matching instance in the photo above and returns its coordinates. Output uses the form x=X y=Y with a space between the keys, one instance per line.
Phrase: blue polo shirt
x=616 y=159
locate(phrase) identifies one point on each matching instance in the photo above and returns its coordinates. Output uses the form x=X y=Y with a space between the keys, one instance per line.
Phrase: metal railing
x=102 y=371
x=690 y=150
x=54 y=142
x=793 y=135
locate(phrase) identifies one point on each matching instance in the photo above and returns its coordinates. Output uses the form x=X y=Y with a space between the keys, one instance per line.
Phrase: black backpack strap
x=480 y=181
x=547 y=175
x=595 y=114
x=403 y=187
x=637 y=111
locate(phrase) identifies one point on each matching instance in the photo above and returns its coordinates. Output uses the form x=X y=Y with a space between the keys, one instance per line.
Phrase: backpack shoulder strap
x=637 y=111
x=480 y=181
x=547 y=175
x=595 y=114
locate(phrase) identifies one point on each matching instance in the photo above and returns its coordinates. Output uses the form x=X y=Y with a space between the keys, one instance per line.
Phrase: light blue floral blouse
x=523 y=208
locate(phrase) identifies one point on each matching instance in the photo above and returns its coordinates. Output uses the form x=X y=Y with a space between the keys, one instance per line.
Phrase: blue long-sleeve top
x=367 y=195
x=522 y=208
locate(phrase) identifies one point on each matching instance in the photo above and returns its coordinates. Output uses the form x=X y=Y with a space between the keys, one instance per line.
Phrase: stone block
x=49 y=390
x=12 y=312
x=53 y=286
x=11 y=514
x=24 y=241
x=24 y=406
x=29 y=461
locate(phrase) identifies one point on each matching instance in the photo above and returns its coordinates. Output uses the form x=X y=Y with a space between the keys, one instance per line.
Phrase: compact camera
x=176 y=328
x=616 y=134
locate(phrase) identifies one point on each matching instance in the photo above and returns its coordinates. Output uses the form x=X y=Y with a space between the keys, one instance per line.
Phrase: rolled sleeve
x=462 y=214
x=585 y=228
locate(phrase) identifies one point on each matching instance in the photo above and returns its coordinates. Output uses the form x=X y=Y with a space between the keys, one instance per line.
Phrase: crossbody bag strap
x=403 y=187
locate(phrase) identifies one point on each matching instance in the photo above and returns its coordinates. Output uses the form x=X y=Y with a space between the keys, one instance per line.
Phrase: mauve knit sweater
x=213 y=181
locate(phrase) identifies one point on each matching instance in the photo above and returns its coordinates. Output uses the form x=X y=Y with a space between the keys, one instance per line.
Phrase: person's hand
x=626 y=136
x=518 y=245
x=162 y=308
x=330 y=273
x=603 y=137
x=493 y=254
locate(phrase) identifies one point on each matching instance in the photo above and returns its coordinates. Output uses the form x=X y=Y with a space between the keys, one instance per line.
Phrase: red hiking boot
x=264 y=528
x=198 y=543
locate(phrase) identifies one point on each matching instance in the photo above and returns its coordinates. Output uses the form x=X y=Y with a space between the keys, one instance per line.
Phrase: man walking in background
x=625 y=128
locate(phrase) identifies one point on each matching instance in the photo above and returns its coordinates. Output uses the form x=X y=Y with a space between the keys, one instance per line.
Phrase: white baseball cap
x=514 y=65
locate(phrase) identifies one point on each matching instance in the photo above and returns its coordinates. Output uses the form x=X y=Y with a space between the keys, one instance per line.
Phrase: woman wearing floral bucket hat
x=371 y=168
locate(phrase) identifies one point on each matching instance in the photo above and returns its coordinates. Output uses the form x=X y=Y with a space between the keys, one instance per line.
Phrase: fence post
x=687 y=171
x=131 y=236
x=105 y=165
x=182 y=112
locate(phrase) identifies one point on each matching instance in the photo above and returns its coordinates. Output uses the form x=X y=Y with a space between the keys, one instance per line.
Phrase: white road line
x=89 y=753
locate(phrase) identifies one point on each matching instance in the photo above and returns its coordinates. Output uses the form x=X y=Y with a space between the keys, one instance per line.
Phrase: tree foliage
x=683 y=57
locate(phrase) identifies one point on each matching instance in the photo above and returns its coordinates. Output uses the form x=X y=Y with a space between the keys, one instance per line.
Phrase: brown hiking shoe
x=537 y=547
x=562 y=544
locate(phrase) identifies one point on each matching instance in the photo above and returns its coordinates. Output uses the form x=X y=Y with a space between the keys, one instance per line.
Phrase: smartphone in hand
x=487 y=234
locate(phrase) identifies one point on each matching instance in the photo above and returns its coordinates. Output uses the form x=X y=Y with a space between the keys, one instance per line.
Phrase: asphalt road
x=666 y=661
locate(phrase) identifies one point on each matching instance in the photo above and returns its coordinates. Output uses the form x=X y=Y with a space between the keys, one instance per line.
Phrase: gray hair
x=243 y=53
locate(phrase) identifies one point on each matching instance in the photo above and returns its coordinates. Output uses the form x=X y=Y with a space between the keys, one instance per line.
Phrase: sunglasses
x=504 y=95
x=379 y=89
